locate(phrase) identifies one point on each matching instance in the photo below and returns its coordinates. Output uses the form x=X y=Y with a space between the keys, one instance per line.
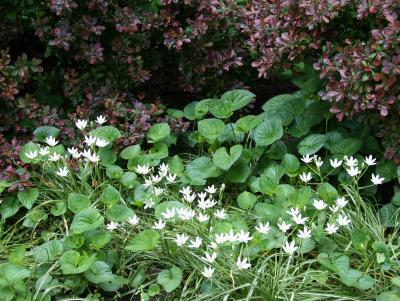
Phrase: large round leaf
x=311 y=144
x=110 y=196
x=246 y=200
x=108 y=133
x=130 y=152
x=220 y=108
x=200 y=169
x=99 y=272
x=71 y=262
x=238 y=98
x=282 y=107
x=239 y=172
x=28 y=196
x=48 y=251
x=144 y=241
x=86 y=220
x=42 y=132
x=201 y=108
x=77 y=202
x=211 y=128
x=119 y=213
x=224 y=160
x=290 y=165
x=268 y=132
x=347 y=146
x=248 y=122
x=158 y=132
x=170 y=279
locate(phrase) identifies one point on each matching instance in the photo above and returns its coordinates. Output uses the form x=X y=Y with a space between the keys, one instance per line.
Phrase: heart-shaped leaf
x=108 y=133
x=311 y=144
x=42 y=132
x=238 y=98
x=211 y=128
x=130 y=152
x=144 y=241
x=246 y=200
x=268 y=132
x=99 y=272
x=224 y=160
x=77 y=202
x=28 y=196
x=158 y=132
x=71 y=262
x=170 y=279
x=86 y=220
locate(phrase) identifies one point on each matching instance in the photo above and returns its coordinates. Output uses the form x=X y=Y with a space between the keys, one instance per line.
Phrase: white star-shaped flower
x=284 y=227
x=331 y=228
x=100 y=119
x=169 y=213
x=243 y=237
x=220 y=238
x=171 y=178
x=186 y=190
x=319 y=204
x=203 y=217
x=62 y=172
x=90 y=140
x=74 y=152
x=94 y=158
x=81 y=124
x=208 y=272
x=55 y=157
x=299 y=220
x=44 y=151
x=350 y=162
x=377 y=180
x=353 y=171
x=149 y=204
x=370 y=160
x=289 y=248
x=220 y=213
x=181 y=239
x=343 y=220
x=335 y=163
x=341 y=202
x=112 y=226
x=159 y=225
x=211 y=189
x=305 y=233
x=209 y=258
x=101 y=142
x=50 y=140
x=263 y=228
x=318 y=161
x=307 y=159
x=133 y=220
x=196 y=243
x=31 y=155
x=306 y=177
x=143 y=169
x=243 y=264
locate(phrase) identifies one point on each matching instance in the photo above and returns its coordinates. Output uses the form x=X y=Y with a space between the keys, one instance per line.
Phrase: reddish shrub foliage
x=93 y=50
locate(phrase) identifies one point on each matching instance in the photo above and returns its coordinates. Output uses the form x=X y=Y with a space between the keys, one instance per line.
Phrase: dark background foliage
x=64 y=59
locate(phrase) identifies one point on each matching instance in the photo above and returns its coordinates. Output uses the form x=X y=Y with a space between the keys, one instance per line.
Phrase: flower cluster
x=353 y=167
x=53 y=153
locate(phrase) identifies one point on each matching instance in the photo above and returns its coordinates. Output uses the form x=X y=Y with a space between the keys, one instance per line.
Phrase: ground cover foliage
x=104 y=51
x=282 y=205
